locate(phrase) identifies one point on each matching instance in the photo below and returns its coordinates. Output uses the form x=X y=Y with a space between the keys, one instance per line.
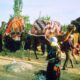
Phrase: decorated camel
x=39 y=30
x=12 y=35
x=14 y=26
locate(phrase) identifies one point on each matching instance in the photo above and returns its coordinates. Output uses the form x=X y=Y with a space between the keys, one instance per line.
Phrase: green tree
x=17 y=7
x=27 y=23
x=64 y=28
x=45 y=18
x=3 y=27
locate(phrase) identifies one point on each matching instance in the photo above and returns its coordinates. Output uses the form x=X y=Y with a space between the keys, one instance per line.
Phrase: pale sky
x=59 y=10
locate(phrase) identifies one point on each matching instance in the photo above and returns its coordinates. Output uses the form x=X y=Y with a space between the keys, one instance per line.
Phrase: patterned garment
x=53 y=72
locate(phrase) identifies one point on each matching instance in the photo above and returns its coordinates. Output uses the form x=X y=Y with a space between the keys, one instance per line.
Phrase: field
x=37 y=65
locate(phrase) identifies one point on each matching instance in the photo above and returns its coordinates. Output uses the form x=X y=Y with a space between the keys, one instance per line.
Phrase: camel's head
x=71 y=27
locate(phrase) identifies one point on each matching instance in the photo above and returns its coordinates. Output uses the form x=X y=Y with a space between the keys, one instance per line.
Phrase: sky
x=63 y=11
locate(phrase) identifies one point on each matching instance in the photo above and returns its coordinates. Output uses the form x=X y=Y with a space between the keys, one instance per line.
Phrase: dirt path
x=8 y=60
x=69 y=74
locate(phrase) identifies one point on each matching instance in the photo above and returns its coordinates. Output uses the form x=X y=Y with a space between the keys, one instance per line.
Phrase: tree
x=3 y=27
x=17 y=7
x=45 y=18
x=64 y=28
x=27 y=23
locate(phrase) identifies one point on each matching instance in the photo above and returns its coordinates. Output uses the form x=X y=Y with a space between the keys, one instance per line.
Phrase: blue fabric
x=52 y=53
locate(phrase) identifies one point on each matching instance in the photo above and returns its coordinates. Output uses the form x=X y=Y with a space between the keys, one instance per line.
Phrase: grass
x=4 y=75
x=70 y=74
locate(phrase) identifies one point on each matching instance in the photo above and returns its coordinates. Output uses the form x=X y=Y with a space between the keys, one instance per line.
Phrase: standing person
x=0 y=42
x=53 y=67
x=68 y=46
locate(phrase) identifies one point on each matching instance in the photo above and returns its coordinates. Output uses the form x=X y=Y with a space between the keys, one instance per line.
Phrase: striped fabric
x=39 y=24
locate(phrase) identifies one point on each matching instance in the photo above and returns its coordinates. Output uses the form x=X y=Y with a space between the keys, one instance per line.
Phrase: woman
x=53 y=67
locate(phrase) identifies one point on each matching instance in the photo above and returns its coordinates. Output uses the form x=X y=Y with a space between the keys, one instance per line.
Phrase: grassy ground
x=8 y=57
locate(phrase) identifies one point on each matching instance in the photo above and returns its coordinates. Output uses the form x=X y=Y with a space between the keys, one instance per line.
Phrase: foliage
x=64 y=28
x=2 y=28
x=27 y=23
x=28 y=27
x=17 y=7
x=45 y=18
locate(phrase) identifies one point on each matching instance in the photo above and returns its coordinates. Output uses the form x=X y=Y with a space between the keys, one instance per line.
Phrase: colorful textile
x=15 y=25
x=53 y=72
x=53 y=27
x=47 y=28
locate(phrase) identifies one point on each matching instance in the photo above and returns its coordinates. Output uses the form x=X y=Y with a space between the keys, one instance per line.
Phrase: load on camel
x=12 y=35
x=41 y=27
x=39 y=30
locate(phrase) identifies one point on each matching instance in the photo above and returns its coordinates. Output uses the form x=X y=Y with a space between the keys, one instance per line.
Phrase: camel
x=39 y=30
x=13 y=32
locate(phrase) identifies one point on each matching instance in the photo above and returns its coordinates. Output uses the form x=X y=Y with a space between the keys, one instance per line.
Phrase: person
x=53 y=67
x=68 y=46
x=1 y=42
